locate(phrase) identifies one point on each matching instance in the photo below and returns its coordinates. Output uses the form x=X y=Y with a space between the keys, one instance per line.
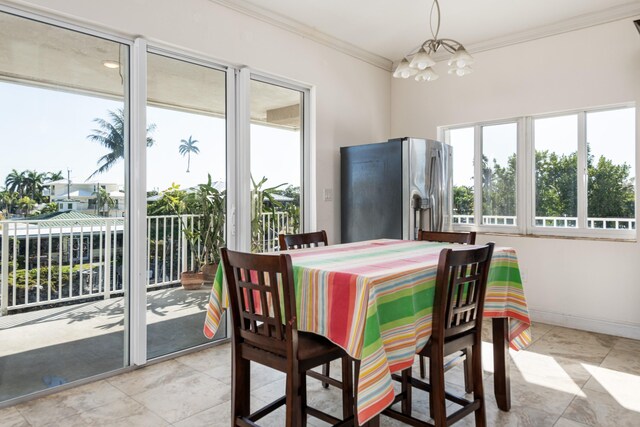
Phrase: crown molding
x=305 y=31
x=611 y=14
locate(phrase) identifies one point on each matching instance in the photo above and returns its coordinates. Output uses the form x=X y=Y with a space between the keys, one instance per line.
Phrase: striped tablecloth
x=375 y=298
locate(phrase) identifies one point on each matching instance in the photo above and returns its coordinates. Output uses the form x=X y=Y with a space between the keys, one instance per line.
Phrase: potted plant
x=201 y=216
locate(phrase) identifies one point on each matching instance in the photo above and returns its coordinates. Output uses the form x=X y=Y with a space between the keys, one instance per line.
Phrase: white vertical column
x=137 y=209
x=582 y=171
x=4 y=286
x=240 y=169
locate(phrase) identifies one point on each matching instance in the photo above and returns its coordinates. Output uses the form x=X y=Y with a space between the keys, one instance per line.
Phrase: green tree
x=26 y=205
x=556 y=184
x=104 y=201
x=610 y=189
x=262 y=200
x=187 y=147
x=54 y=176
x=34 y=184
x=110 y=134
x=462 y=200
x=16 y=182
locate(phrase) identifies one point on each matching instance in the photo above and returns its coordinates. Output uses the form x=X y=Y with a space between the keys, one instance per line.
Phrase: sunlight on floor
x=623 y=387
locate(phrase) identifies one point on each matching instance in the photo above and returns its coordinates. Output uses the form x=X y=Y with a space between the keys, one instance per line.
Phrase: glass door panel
x=276 y=163
x=63 y=121
x=186 y=198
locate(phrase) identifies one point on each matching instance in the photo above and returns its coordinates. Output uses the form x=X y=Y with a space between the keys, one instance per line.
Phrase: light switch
x=327 y=194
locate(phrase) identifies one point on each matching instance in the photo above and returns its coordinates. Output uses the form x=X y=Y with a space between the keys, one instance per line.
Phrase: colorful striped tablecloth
x=375 y=298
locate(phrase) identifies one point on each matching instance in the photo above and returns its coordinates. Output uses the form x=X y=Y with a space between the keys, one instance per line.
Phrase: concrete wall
x=586 y=284
x=353 y=98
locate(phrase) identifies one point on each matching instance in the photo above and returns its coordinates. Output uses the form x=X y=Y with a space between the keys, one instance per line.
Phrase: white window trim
x=525 y=177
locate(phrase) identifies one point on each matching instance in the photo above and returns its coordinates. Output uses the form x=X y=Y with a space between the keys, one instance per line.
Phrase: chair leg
x=406 y=392
x=294 y=398
x=347 y=388
x=240 y=387
x=423 y=373
x=478 y=387
x=468 y=370
x=326 y=368
x=303 y=399
x=436 y=397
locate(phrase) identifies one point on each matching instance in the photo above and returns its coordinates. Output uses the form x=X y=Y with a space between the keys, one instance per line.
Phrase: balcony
x=61 y=285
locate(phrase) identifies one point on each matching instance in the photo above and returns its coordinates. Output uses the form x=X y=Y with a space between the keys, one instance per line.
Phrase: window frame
x=525 y=178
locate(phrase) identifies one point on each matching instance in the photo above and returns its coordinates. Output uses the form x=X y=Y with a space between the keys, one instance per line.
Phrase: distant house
x=83 y=197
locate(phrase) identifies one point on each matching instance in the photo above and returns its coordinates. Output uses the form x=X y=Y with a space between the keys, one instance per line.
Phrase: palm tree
x=103 y=199
x=54 y=176
x=187 y=147
x=15 y=182
x=34 y=184
x=110 y=134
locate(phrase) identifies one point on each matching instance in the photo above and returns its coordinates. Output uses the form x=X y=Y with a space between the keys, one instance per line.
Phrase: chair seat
x=313 y=350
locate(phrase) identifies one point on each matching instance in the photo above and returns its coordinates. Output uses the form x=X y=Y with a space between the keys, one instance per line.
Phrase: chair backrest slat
x=303 y=240
x=258 y=287
x=460 y=290
x=468 y=238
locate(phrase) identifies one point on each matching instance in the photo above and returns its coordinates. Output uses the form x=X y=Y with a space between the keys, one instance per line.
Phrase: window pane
x=463 y=147
x=499 y=147
x=186 y=170
x=556 y=165
x=611 y=169
x=276 y=141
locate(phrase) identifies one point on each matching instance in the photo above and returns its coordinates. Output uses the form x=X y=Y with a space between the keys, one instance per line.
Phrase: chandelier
x=419 y=62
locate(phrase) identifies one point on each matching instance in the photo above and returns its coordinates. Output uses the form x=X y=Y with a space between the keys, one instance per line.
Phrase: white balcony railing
x=553 y=222
x=48 y=262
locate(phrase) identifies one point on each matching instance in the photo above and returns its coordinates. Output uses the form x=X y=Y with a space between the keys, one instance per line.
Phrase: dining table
x=375 y=300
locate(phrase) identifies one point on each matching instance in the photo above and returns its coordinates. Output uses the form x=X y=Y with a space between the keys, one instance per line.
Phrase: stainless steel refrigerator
x=392 y=189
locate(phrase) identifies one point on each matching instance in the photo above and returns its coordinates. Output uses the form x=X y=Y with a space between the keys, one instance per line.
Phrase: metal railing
x=553 y=222
x=45 y=262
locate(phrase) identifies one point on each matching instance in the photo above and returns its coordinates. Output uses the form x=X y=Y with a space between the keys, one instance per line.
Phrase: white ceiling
x=390 y=29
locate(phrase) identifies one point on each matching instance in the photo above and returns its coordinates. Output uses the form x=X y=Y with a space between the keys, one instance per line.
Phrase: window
x=499 y=146
x=463 y=183
x=556 y=167
x=570 y=174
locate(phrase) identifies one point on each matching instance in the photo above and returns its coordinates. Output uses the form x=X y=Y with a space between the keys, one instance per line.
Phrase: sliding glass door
x=276 y=146
x=186 y=197
x=63 y=260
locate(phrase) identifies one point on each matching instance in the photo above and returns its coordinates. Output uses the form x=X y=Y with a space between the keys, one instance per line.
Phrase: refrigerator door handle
x=436 y=191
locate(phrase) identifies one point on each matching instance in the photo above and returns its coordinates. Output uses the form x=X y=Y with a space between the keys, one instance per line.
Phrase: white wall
x=352 y=97
x=585 y=284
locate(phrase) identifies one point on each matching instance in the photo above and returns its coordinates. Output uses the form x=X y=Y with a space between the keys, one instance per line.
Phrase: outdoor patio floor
x=49 y=347
x=567 y=378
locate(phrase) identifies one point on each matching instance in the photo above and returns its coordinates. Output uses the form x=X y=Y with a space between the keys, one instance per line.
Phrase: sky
x=47 y=130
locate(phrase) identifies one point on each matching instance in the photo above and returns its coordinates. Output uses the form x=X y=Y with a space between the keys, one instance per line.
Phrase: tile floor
x=567 y=378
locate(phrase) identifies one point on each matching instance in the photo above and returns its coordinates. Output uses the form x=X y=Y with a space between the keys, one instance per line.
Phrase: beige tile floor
x=567 y=378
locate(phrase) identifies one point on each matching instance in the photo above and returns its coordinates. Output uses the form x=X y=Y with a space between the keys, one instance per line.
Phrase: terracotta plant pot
x=191 y=281
x=209 y=271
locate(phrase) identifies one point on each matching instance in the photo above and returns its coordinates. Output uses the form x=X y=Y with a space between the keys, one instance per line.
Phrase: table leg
x=502 y=382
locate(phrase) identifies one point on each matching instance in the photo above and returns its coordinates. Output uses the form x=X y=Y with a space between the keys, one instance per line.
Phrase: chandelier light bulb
x=428 y=75
x=403 y=70
x=421 y=60
x=461 y=58
x=460 y=71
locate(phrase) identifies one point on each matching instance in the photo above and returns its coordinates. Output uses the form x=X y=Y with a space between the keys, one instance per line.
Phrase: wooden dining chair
x=265 y=331
x=468 y=238
x=301 y=241
x=461 y=284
